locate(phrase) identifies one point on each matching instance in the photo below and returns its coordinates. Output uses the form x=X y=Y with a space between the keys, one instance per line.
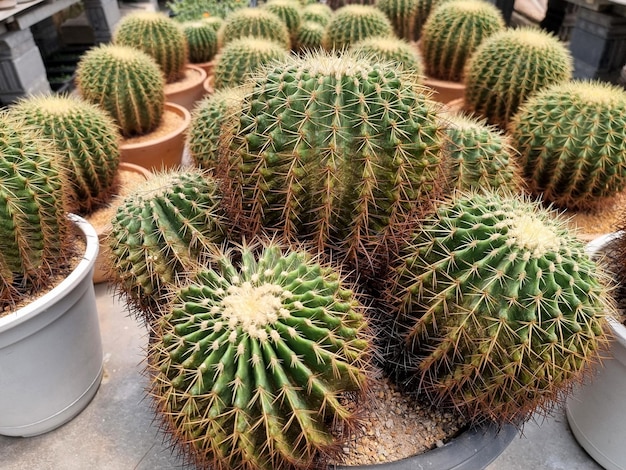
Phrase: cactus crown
x=318 y=13
x=257 y=22
x=351 y=23
x=403 y=16
x=398 y=51
x=158 y=36
x=127 y=83
x=201 y=40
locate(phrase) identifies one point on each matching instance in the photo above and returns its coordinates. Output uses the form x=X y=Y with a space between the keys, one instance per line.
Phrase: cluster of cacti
x=257 y=22
x=86 y=136
x=201 y=39
x=242 y=57
x=160 y=232
x=453 y=31
x=352 y=23
x=502 y=308
x=125 y=82
x=572 y=141
x=309 y=36
x=402 y=14
x=193 y=10
x=33 y=202
x=288 y=11
x=158 y=36
x=339 y=151
x=318 y=13
x=252 y=361
x=399 y=52
x=480 y=156
x=495 y=88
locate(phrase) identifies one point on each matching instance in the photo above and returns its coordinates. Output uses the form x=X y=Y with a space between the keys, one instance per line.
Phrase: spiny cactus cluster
x=503 y=309
x=452 y=33
x=309 y=37
x=201 y=39
x=257 y=22
x=158 y=36
x=401 y=53
x=125 y=82
x=318 y=13
x=252 y=361
x=86 y=136
x=572 y=140
x=403 y=15
x=193 y=10
x=352 y=23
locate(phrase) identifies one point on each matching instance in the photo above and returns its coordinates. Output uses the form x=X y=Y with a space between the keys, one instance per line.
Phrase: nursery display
x=352 y=23
x=257 y=22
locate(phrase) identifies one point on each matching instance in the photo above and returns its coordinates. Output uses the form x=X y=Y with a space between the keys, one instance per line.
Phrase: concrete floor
x=116 y=432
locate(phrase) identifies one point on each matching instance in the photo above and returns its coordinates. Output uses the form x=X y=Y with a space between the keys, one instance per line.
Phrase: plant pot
x=51 y=352
x=6 y=4
x=455 y=106
x=445 y=91
x=157 y=151
x=596 y=411
x=208 y=85
x=189 y=90
x=207 y=67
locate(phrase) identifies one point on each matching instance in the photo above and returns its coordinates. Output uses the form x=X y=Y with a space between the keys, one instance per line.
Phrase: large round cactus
x=572 y=140
x=340 y=151
x=86 y=136
x=257 y=22
x=503 y=309
x=251 y=364
x=452 y=33
x=288 y=11
x=125 y=82
x=201 y=40
x=158 y=36
x=353 y=23
x=160 y=232
x=508 y=67
x=403 y=15
x=398 y=51
x=319 y=13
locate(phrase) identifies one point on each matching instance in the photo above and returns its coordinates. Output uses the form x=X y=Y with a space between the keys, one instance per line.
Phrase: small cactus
x=257 y=22
x=193 y=10
x=353 y=23
x=309 y=36
x=125 y=82
x=403 y=15
x=318 y=13
x=86 y=136
x=398 y=51
x=158 y=36
x=572 y=140
x=251 y=362
x=502 y=308
x=201 y=40
x=288 y=11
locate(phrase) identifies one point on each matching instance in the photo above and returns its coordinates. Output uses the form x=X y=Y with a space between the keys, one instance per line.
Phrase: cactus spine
x=202 y=41
x=251 y=361
x=503 y=308
x=398 y=51
x=318 y=13
x=257 y=22
x=402 y=14
x=353 y=23
x=125 y=82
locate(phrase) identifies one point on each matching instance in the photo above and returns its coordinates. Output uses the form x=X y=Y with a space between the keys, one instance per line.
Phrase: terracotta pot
x=162 y=151
x=455 y=106
x=6 y=4
x=208 y=85
x=445 y=91
x=207 y=67
x=193 y=90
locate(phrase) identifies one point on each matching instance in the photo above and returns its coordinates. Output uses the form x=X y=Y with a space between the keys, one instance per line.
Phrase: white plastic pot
x=596 y=412
x=51 y=352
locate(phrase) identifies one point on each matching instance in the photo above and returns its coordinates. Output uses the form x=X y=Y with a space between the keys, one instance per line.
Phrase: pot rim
x=176 y=108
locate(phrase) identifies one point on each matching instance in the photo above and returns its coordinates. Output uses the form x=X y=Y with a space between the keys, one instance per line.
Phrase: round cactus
x=201 y=40
x=288 y=11
x=309 y=36
x=402 y=14
x=158 y=36
x=338 y=151
x=34 y=232
x=125 y=82
x=160 y=232
x=572 y=140
x=398 y=51
x=257 y=22
x=318 y=13
x=353 y=23
x=480 y=156
x=508 y=67
x=242 y=57
x=251 y=362
x=452 y=33
x=503 y=309
x=86 y=136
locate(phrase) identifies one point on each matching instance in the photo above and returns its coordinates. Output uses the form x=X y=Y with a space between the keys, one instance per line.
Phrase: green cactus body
x=194 y=10
x=214 y=21
x=87 y=137
x=480 y=156
x=318 y=13
x=252 y=360
x=159 y=233
x=288 y=11
x=508 y=67
x=340 y=151
x=34 y=228
x=353 y=23
x=452 y=33
x=572 y=141
x=424 y=7
x=309 y=36
x=158 y=36
x=125 y=82
x=398 y=51
x=402 y=14
x=242 y=57
x=201 y=40
x=503 y=307
x=257 y=22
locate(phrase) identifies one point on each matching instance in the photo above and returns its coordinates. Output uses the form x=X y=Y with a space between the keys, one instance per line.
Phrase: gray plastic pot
x=51 y=352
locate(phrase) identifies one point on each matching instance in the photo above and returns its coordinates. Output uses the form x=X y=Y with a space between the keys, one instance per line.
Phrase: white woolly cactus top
x=531 y=233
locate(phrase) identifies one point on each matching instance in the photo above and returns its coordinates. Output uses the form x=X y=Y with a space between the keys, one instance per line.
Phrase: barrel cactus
x=257 y=22
x=159 y=233
x=502 y=308
x=201 y=40
x=572 y=140
x=403 y=15
x=508 y=67
x=158 y=36
x=309 y=36
x=352 y=23
x=452 y=33
x=240 y=58
x=318 y=13
x=251 y=362
x=125 y=82
x=401 y=53
x=288 y=11
x=86 y=136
